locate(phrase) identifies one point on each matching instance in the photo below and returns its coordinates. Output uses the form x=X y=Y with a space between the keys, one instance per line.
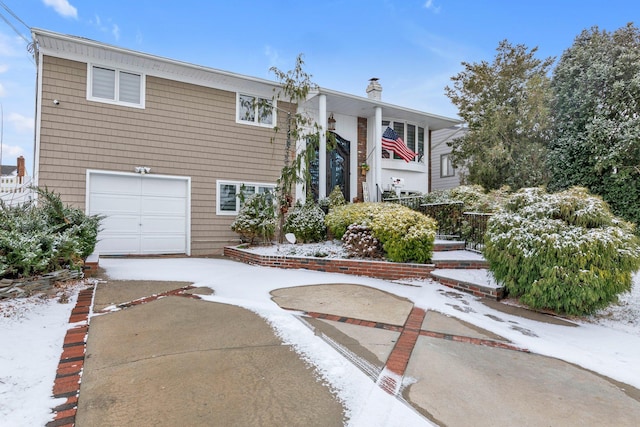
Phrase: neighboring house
x=161 y=147
x=15 y=184
x=443 y=174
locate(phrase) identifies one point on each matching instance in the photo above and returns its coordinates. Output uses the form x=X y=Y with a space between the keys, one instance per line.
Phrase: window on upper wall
x=446 y=166
x=228 y=201
x=115 y=86
x=255 y=110
x=411 y=134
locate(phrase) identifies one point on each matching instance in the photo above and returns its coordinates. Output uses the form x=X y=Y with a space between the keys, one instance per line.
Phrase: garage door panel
x=110 y=204
x=117 y=184
x=124 y=224
x=162 y=244
x=163 y=205
x=163 y=224
x=163 y=188
x=118 y=244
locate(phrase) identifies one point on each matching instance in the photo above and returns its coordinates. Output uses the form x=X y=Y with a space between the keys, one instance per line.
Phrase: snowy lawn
x=32 y=332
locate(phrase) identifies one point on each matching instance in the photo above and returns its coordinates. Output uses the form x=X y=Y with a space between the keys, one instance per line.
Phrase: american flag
x=391 y=141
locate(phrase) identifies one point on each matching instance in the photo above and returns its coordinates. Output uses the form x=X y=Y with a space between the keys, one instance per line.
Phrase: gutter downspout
x=38 y=113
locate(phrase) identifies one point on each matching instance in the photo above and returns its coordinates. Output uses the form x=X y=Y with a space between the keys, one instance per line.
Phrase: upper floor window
x=255 y=110
x=411 y=134
x=446 y=166
x=115 y=86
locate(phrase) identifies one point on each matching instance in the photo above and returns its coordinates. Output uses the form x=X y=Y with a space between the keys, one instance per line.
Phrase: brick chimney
x=21 y=169
x=374 y=90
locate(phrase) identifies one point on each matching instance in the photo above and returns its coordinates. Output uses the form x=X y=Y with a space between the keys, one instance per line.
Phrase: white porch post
x=322 y=149
x=377 y=140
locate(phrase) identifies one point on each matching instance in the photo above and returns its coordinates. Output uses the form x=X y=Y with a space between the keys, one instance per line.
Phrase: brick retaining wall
x=377 y=269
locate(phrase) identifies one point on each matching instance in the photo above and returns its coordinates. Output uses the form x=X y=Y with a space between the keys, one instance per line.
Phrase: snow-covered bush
x=49 y=236
x=406 y=235
x=336 y=198
x=306 y=222
x=474 y=197
x=359 y=242
x=565 y=251
x=256 y=219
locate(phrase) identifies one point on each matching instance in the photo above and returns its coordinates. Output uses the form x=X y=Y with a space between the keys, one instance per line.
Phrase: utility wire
x=14 y=15
x=4 y=18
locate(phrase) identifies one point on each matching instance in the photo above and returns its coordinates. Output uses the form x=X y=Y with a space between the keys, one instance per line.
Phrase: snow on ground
x=32 y=336
x=32 y=331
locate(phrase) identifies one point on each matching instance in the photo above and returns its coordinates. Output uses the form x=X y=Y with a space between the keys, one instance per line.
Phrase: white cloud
x=3 y=91
x=3 y=68
x=62 y=8
x=431 y=6
x=11 y=151
x=21 y=123
x=116 y=31
x=9 y=46
x=272 y=55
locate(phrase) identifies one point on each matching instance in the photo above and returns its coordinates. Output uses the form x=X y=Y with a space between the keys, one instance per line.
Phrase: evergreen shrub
x=565 y=251
x=256 y=220
x=306 y=222
x=336 y=198
x=36 y=239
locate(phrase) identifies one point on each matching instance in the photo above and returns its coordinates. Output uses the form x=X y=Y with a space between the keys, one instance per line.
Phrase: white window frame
x=445 y=159
x=238 y=185
x=116 y=100
x=256 y=116
x=404 y=137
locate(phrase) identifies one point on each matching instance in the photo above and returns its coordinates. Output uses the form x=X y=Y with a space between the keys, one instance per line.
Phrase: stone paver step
x=479 y=282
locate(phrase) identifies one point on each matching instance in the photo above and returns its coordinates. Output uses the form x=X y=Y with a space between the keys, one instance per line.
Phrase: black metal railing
x=412 y=202
x=474 y=227
x=448 y=216
x=453 y=222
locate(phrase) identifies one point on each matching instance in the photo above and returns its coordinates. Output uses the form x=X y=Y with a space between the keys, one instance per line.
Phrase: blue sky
x=413 y=46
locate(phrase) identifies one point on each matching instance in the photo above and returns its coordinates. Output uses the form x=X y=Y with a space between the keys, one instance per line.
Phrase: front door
x=337 y=171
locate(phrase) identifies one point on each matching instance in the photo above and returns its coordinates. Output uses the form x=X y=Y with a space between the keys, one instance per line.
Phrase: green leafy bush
x=337 y=220
x=406 y=235
x=256 y=219
x=306 y=222
x=565 y=251
x=36 y=239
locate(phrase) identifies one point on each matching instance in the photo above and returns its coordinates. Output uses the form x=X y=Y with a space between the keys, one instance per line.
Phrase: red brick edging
x=390 y=378
x=67 y=382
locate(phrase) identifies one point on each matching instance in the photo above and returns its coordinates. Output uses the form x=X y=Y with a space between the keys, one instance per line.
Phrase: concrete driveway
x=178 y=360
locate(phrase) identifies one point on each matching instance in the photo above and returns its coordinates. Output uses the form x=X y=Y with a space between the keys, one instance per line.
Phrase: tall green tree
x=596 y=108
x=506 y=106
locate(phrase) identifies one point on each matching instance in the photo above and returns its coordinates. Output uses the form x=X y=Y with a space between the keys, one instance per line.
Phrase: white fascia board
x=90 y=51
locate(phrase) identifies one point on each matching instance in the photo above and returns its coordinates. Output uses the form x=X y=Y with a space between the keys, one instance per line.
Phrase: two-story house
x=161 y=148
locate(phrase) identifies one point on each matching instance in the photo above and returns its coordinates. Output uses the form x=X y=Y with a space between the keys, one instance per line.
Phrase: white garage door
x=144 y=214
